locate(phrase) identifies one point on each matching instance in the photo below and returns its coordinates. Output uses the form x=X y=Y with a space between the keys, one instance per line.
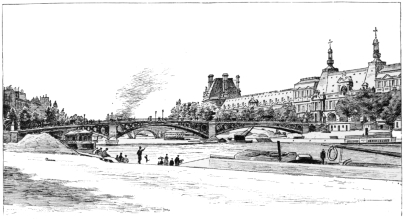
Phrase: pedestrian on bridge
x=139 y=154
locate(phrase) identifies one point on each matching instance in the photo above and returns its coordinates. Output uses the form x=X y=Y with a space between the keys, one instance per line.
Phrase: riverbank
x=131 y=188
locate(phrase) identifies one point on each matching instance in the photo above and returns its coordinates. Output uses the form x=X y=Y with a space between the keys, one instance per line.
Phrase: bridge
x=204 y=129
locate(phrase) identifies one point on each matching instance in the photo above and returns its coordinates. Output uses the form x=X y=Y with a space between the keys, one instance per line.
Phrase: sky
x=81 y=54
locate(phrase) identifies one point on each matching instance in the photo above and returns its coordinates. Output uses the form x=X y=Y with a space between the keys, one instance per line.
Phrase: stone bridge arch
x=137 y=131
x=194 y=128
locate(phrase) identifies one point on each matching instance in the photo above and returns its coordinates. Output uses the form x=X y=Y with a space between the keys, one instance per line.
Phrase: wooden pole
x=279 y=150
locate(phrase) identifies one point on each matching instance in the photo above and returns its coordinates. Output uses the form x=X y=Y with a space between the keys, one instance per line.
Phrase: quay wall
x=228 y=163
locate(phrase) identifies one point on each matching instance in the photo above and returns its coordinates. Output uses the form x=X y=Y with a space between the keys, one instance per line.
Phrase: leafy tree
x=348 y=107
x=307 y=116
x=36 y=119
x=287 y=113
x=224 y=115
x=62 y=117
x=269 y=113
x=6 y=109
x=25 y=118
x=369 y=103
x=392 y=111
x=259 y=113
x=50 y=115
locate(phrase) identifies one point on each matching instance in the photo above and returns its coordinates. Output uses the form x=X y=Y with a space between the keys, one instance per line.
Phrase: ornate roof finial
x=329 y=42
x=375 y=32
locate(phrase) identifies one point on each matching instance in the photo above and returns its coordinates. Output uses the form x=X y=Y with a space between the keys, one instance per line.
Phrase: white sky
x=80 y=54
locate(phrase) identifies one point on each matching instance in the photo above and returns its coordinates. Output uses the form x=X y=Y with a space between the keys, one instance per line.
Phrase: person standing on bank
x=139 y=154
x=166 y=160
x=322 y=156
x=177 y=160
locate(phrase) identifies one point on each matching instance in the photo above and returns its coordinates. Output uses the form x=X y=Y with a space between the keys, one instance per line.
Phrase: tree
x=224 y=115
x=259 y=113
x=307 y=116
x=36 y=119
x=392 y=111
x=25 y=118
x=348 y=107
x=50 y=116
x=269 y=113
x=287 y=113
x=6 y=109
x=246 y=114
x=62 y=117
x=369 y=103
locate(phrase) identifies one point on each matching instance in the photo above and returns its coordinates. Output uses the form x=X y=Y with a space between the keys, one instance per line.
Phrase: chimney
x=210 y=80
x=225 y=75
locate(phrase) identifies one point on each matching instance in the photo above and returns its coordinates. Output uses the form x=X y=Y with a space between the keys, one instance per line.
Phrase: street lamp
x=162 y=114
x=155 y=115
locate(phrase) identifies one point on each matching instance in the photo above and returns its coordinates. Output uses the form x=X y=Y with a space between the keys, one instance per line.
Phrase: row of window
x=386 y=83
x=329 y=105
x=303 y=93
x=263 y=103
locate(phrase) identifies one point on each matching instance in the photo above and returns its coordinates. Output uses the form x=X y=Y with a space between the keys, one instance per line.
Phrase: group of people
x=122 y=159
x=164 y=161
x=102 y=153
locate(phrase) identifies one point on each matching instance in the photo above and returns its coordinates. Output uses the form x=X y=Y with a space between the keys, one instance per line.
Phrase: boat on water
x=174 y=135
x=375 y=138
x=80 y=139
x=111 y=142
x=105 y=159
x=193 y=140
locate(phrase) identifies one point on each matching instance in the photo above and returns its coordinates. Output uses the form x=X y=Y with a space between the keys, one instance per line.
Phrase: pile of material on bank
x=273 y=156
x=39 y=143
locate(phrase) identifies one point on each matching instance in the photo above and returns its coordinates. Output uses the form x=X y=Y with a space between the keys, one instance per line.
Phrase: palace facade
x=318 y=94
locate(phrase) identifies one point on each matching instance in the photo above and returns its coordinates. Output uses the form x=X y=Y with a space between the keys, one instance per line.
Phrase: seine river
x=194 y=152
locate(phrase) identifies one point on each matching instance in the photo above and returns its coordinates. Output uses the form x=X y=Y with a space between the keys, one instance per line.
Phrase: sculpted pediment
x=343 y=79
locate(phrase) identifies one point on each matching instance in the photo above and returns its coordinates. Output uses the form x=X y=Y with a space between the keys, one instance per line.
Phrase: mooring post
x=279 y=150
x=340 y=156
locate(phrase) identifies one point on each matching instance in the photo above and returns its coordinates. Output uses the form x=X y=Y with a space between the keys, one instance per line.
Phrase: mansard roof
x=391 y=68
x=216 y=89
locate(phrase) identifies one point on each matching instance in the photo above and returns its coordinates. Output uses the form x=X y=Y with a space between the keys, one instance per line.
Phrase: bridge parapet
x=206 y=129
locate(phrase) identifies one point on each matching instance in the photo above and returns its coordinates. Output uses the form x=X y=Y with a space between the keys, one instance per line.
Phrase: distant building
x=221 y=89
x=16 y=98
x=318 y=95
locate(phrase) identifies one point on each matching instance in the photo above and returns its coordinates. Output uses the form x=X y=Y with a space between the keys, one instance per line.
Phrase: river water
x=194 y=152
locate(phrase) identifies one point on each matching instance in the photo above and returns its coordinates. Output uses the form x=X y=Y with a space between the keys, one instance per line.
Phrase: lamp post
x=84 y=120
x=155 y=115
x=162 y=114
